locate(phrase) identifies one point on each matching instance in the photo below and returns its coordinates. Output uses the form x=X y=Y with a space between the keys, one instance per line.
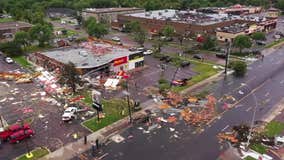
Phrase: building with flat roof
x=100 y=56
x=8 y=29
x=186 y=21
x=108 y=15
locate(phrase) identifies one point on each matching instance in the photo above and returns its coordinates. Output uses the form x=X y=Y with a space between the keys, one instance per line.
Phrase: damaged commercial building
x=100 y=57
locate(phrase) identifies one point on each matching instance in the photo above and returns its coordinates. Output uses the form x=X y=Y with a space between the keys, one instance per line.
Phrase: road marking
x=233 y=105
x=103 y=156
x=248 y=109
x=225 y=128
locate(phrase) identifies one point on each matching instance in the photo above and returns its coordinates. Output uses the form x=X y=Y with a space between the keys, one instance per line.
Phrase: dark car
x=197 y=56
x=185 y=64
x=260 y=42
x=163 y=58
x=221 y=55
x=168 y=59
x=132 y=49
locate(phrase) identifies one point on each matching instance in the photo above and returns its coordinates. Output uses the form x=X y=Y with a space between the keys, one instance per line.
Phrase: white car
x=9 y=60
x=148 y=52
x=69 y=113
x=117 y=39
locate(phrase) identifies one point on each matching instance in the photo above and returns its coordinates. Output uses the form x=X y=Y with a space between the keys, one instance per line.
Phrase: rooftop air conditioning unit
x=160 y=13
x=83 y=53
x=166 y=10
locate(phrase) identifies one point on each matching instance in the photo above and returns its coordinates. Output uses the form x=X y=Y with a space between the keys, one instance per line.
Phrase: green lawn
x=21 y=60
x=113 y=110
x=274 y=128
x=203 y=70
x=259 y=148
x=37 y=153
x=2 y=20
x=274 y=43
x=249 y=158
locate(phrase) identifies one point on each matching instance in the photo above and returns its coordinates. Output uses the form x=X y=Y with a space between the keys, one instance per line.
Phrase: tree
x=11 y=48
x=94 y=28
x=70 y=76
x=280 y=4
x=42 y=33
x=22 y=38
x=240 y=68
x=132 y=26
x=168 y=31
x=209 y=43
x=140 y=37
x=258 y=36
x=242 y=41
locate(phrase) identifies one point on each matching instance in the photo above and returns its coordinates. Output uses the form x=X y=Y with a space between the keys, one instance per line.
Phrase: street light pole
x=227 y=57
x=128 y=102
x=253 y=116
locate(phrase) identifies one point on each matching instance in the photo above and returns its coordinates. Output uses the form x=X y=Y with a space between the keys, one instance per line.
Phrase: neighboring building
x=60 y=12
x=272 y=13
x=241 y=10
x=8 y=29
x=108 y=15
x=229 y=33
x=190 y=22
x=98 y=56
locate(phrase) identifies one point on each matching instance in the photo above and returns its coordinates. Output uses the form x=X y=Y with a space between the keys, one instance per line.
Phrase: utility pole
x=128 y=102
x=1 y=120
x=227 y=57
x=174 y=76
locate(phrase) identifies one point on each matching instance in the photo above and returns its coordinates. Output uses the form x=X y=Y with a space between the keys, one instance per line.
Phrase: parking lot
x=28 y=102
x=149 y=76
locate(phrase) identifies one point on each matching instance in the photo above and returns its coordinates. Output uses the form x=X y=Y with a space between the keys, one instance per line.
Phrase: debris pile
x=18 y=77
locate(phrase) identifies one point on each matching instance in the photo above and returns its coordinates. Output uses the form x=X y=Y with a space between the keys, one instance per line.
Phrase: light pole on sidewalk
x=253 y=116
x=126 y=92
x=227 y=56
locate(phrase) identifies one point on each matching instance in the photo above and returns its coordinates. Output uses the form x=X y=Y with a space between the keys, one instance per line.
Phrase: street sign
x=97 y=106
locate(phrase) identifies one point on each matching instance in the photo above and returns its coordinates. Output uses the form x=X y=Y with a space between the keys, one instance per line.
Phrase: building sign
x=119 y=61
x=136 y=55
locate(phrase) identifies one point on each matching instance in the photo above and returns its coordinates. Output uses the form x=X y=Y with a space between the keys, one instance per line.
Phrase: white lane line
x=225 y=128
x=248 y=109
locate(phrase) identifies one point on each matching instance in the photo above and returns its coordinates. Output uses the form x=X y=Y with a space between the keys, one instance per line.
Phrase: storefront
x=120 y=64
x=136 y=60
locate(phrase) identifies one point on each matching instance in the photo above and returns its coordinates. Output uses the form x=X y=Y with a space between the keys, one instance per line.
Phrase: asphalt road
x=264 y=82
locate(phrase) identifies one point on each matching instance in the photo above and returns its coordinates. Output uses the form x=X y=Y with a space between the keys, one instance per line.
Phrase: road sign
x=97 y=106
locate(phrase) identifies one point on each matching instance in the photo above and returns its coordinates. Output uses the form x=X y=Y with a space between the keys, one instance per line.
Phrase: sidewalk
x=75 y=148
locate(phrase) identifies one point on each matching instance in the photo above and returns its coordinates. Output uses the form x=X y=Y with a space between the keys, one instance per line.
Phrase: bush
x=164 y=85
x=240 y=68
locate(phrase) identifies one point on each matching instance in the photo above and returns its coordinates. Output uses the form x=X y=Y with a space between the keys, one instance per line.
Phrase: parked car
x=9 y=60
x=260 y=42
x=163 y=58
x=117 y=39
x=197 y=56
x=164 y=38
x=69 y=113
x=180 y=82
x=132 y=49
x=168 y=59
x=148 y=52
x=141 y=49
x=221 y=55
x=185 y=64
x=5 y=135
x=21 y=135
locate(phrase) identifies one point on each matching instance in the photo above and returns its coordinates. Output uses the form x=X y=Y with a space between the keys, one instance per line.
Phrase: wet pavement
x=258 y=92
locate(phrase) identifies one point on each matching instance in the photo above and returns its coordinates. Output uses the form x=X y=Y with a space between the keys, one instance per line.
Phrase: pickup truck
x=69 y=113
x=5 y=135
